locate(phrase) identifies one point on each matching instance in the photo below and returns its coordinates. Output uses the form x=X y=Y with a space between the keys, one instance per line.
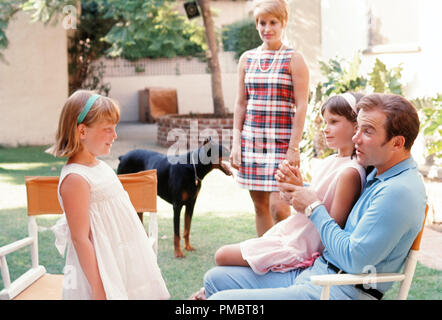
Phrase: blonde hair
x=277 y=8
x=67 y=141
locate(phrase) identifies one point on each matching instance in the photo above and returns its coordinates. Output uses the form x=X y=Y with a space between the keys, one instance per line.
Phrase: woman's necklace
x=273 y=61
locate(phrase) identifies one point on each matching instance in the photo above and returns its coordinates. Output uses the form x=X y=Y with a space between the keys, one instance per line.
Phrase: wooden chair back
x=417 y=242
x=42 y=192
x=411 y=262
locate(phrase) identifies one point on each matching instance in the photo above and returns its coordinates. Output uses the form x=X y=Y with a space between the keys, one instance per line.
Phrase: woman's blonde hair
x=67 y=141
x=277 y=8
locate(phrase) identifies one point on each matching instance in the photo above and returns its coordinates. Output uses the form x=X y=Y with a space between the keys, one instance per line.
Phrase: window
x=393 y=26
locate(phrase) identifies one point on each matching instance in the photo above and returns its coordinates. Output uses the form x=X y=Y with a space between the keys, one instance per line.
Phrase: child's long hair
x=67 y=141
x=340 y=106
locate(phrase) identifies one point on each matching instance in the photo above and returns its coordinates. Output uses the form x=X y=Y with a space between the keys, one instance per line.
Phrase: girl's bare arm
x=348 y=189
x=75 y=192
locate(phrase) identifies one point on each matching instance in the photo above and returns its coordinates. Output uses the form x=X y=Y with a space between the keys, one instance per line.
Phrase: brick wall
x=188 y=133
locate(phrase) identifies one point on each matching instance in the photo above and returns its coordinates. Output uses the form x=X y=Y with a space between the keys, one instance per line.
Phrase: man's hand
x=299 y=197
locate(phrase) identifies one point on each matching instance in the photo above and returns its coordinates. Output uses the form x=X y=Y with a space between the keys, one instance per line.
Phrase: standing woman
x=273 y=79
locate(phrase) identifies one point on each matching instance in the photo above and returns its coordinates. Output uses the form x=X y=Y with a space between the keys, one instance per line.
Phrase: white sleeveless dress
x=126 y=261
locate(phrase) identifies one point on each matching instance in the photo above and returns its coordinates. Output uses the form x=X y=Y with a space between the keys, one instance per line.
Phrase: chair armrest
x=14 y=246
x=352 y=279
x=21 y=283
x=12 y=289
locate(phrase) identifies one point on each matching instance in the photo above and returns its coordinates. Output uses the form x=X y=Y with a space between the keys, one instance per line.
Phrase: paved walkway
x=224 y=192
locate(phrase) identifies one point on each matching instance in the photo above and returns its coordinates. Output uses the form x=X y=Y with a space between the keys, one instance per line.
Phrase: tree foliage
x=151 y=29
x=240 y=37
x=8 y=8
x=383 y=80
x=131 y=29
x=85 y=46
x=430 y=114
x=140 y=28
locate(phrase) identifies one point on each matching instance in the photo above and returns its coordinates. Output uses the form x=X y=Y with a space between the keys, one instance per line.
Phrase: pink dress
x=294 y=242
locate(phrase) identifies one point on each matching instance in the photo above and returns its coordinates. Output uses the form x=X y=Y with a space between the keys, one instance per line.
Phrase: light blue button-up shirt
x=382 y=225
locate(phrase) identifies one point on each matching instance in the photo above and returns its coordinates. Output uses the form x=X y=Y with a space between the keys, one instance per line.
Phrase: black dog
x=179 y=179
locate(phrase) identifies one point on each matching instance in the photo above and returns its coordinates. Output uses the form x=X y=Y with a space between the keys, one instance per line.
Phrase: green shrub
x=342 y=76
x=240 y=37
x=430 y=114
x=386 y=81
x=152 y=29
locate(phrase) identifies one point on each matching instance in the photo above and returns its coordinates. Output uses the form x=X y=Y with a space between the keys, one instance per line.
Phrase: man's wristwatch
x=308 y=211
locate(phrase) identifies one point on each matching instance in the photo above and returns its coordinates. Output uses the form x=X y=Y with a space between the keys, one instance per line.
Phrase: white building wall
x=345 y=31
x=34 y=83
x=193 y=91
x=343 y=28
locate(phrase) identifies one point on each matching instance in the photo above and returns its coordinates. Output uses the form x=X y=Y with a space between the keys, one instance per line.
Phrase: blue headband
x=89 y=103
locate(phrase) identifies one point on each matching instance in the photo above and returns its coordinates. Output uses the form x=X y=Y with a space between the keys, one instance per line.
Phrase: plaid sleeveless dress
x=267 y=125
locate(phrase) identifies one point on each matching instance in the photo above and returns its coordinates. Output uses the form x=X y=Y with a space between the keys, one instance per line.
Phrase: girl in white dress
x=109 y=255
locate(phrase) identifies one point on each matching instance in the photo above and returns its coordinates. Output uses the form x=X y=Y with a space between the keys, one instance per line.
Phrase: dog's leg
x=176 y=230
x=187 y=222
x=140 y=215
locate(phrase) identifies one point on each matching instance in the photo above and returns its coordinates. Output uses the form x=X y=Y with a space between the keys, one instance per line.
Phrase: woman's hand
x=294 y=157
x=235 y=155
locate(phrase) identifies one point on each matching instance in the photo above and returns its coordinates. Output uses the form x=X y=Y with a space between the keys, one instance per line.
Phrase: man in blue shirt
x=380 y=228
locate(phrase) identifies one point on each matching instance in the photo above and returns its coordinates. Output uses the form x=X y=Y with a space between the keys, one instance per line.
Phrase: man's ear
x=398 y=142
x=355 y=128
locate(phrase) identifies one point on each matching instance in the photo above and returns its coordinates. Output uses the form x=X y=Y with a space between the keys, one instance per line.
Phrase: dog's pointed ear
x=207 y=143
x=207 y=140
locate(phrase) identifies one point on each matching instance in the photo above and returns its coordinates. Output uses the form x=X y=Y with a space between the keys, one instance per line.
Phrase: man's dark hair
x=402 y=117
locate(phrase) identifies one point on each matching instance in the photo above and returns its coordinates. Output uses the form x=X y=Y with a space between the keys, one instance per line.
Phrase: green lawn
x=210 y=230
x=182 y=276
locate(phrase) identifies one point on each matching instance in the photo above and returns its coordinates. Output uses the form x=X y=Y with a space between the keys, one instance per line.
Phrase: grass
x=182 y=276
x=16 y=163
x=210 y=230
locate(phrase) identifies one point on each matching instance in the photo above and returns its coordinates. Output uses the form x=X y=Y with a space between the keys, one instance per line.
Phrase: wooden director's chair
x=406 y=276
x=36 y=284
